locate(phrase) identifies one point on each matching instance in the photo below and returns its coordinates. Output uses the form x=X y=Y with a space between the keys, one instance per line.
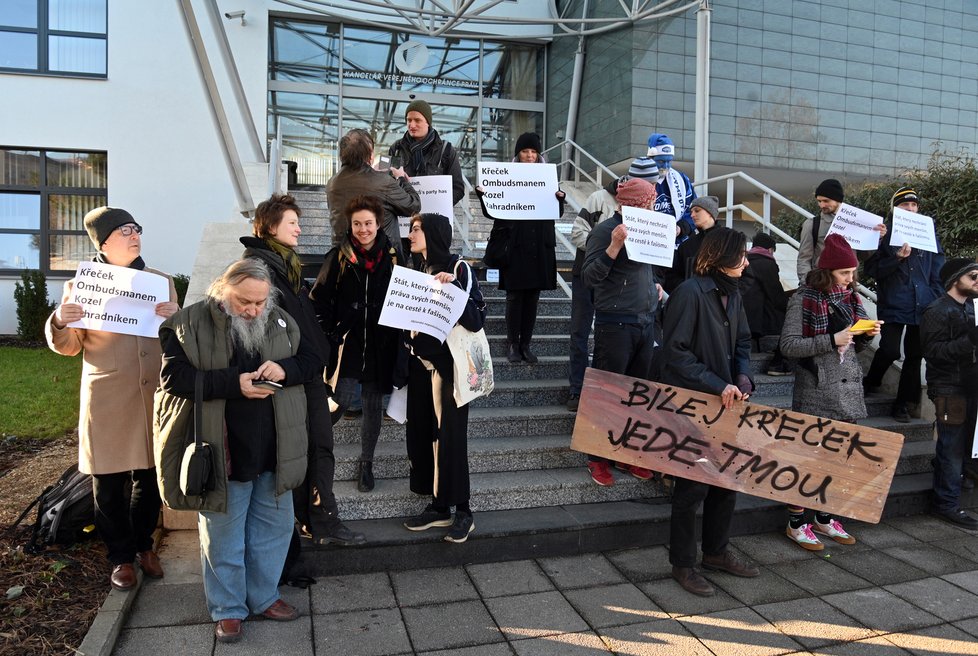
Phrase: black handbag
x=197 y=466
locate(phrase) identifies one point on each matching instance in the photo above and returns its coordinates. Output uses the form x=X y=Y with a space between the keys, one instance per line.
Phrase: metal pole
x=575 y=97
x=701 y=147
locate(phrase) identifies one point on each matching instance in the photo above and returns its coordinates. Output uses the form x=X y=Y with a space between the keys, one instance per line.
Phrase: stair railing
x=275 y=161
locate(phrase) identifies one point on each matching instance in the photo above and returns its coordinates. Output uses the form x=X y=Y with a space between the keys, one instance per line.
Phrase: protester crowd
x=264 y=366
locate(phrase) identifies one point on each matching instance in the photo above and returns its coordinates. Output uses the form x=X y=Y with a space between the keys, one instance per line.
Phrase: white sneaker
x=834 y=530
x=804 y=537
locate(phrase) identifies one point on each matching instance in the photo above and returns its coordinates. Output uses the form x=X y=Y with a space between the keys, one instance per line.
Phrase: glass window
x=304 y=52
x=18 y=50
x=44 y=197
x=512 y=72
x=77 y=16
x=72 y=54
x=310 y=133
x=502 y=127
x=18 y=13
x=54 y=36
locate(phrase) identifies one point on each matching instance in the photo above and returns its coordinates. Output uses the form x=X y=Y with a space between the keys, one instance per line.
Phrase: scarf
x=823 y=312
x=138 y=263
x=728 y=286
x=417 y=149
x=370 y=258
x=293 y=267
x=760 y=250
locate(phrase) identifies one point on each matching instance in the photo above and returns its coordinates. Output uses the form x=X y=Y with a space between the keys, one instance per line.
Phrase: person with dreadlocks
x=348 y=296
x=437 y=429
x=828 y=378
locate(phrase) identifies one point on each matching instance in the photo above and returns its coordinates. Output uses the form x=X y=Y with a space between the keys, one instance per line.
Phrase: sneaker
x=640 y=473
x=601 y=473
x=901 y=412
x=572 y=402
x=429 y=518
x=804 y=537
x=957 y=517
x=461 y=527
x=778 y=368
x=833 y=530
x=341 y=535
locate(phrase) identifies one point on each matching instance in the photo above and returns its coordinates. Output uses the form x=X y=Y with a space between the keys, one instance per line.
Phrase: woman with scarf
x=828 y=378
x=707 y=348
x=525 y=254
x=348 y=296
x=437 y=429
x=276 y=235
x=115 y=423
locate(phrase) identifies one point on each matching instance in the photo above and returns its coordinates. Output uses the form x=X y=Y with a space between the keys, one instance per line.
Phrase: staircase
x=531 y=494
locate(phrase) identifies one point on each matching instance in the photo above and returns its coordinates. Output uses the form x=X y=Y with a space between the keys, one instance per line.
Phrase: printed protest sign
x=435 y=192
x=914 y=229
x=651 y=236
x=787 y=456
x=519 y=191
x=416 y=301
x=856 y=227
x=118 y=299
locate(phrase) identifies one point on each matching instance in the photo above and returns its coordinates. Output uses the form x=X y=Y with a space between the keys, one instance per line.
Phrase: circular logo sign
x=411 y=56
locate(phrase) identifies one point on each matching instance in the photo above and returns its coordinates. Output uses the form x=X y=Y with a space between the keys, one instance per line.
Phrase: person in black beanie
x=829 y=195
x=950 y=344
x=422 y=151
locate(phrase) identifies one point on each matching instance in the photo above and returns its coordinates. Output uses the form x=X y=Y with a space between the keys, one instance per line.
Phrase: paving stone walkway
x=907 y=587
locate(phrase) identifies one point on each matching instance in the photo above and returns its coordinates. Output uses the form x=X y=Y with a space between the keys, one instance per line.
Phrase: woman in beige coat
x=115 y=422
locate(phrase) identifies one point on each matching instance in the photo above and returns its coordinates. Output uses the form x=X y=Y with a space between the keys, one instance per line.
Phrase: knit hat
x=644 y=168
x=955 y=268
x=420 y=107
x=837 y=254
x=905 y=195
x=528 y=140
x=830 y=188
x=635 y=192
x=101 y=221
x=764 y=240
x=709 y=203
x=660 y=145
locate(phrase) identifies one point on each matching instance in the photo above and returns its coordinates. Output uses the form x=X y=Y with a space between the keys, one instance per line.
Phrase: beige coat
x=119 y=377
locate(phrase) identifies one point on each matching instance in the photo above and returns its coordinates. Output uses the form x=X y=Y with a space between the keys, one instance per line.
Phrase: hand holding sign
x=651 y=236
x=417 y=301
x=435 y=192
x=519 y=191
x=860 y=228
x=116 y=300
x=914 y=229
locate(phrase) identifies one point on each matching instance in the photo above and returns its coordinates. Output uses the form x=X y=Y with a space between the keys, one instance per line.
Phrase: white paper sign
x=435 y=192
x=492 y=275
x=416 y=301
x=651 y=236
x=397 y=406
x=856 y=227
x=514 y=190
x=914 y=229
x=118 y=299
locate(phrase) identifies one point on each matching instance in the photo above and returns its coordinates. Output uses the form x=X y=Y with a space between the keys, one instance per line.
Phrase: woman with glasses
x=115 y=423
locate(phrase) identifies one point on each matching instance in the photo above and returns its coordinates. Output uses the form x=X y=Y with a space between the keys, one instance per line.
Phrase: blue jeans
x=242 y=551
x=582 y=315
x=953 y=445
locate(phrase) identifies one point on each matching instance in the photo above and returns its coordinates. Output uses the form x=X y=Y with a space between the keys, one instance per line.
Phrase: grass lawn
x=39 y=391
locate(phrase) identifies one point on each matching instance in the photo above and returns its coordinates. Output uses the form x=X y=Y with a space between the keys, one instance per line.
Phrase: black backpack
x=65 y=512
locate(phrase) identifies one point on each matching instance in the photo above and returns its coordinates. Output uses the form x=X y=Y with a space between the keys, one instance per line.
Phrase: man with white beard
x=241 y=354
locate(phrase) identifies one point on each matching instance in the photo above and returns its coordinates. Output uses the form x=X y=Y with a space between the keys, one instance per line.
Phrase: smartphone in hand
x=267 y=384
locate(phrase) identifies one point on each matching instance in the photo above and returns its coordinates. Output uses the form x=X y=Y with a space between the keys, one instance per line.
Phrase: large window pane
x=502 y=127
x=20 y=211
x=20 y=167
x=71 y=54
x=67 y=212
x=18 y=13
x=304 y=52
x=77 y=15
x=411 y=63
x=76 y=169
x=20 y=251
x=18 y=50
x=512 y=72
x=68 y=250
x=309 y=124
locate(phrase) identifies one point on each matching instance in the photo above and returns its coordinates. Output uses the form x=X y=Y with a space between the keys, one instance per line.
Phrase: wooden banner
x=823 y=464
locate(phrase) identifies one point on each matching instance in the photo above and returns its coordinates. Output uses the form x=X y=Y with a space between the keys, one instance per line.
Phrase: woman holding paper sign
x=437 y=429
x=115 y=423
x=348 y=296
x=818 y=332
x=525 y=254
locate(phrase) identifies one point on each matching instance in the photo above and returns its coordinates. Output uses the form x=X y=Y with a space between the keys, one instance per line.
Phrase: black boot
x=514 y=354
x=528 y=354
x=365 y=475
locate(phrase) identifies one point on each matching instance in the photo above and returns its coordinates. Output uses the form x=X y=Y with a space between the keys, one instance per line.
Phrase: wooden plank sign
x=798 y=459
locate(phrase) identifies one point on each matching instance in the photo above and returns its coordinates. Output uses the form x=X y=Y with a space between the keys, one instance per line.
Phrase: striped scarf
x=823 y=313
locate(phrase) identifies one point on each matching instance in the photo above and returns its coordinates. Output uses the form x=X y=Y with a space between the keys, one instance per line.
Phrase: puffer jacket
x=624 y=290
x=905 y=287
x=949 y=337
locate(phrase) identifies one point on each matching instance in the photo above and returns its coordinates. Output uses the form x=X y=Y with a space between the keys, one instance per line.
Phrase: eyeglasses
x=973 y=276
x=129 y=228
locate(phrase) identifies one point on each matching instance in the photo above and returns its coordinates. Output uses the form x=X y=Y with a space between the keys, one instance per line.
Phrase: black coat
x=523 y=251
x=949 y=337
x=348 y=301
x=440 y=158
x=683 y=261
x=764 y=298
x=706 y=346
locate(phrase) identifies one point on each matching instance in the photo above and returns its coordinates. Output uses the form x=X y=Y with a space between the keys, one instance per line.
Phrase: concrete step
x=548 y=306
x=566 y=530
x=545 y=325
x=555 y=345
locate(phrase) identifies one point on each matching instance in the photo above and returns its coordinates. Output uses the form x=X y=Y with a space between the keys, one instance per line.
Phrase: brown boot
x=123 y=577
x=149 y=562
x=692 y=581
x=729 y=562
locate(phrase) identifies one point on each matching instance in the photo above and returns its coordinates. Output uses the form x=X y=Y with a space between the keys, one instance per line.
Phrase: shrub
x=33 y=307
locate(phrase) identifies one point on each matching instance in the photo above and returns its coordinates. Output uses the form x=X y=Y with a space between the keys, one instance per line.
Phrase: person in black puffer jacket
x=422 y=151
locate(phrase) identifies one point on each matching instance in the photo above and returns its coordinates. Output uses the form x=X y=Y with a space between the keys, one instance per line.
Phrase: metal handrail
x=566 y=147
x=275 y=161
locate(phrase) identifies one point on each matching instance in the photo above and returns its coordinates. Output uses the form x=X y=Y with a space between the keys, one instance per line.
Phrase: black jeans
x=889 y=352
x=582 y=315
x=521 y=315
x=315 y=505
x=718 y=506
x=126 y=522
